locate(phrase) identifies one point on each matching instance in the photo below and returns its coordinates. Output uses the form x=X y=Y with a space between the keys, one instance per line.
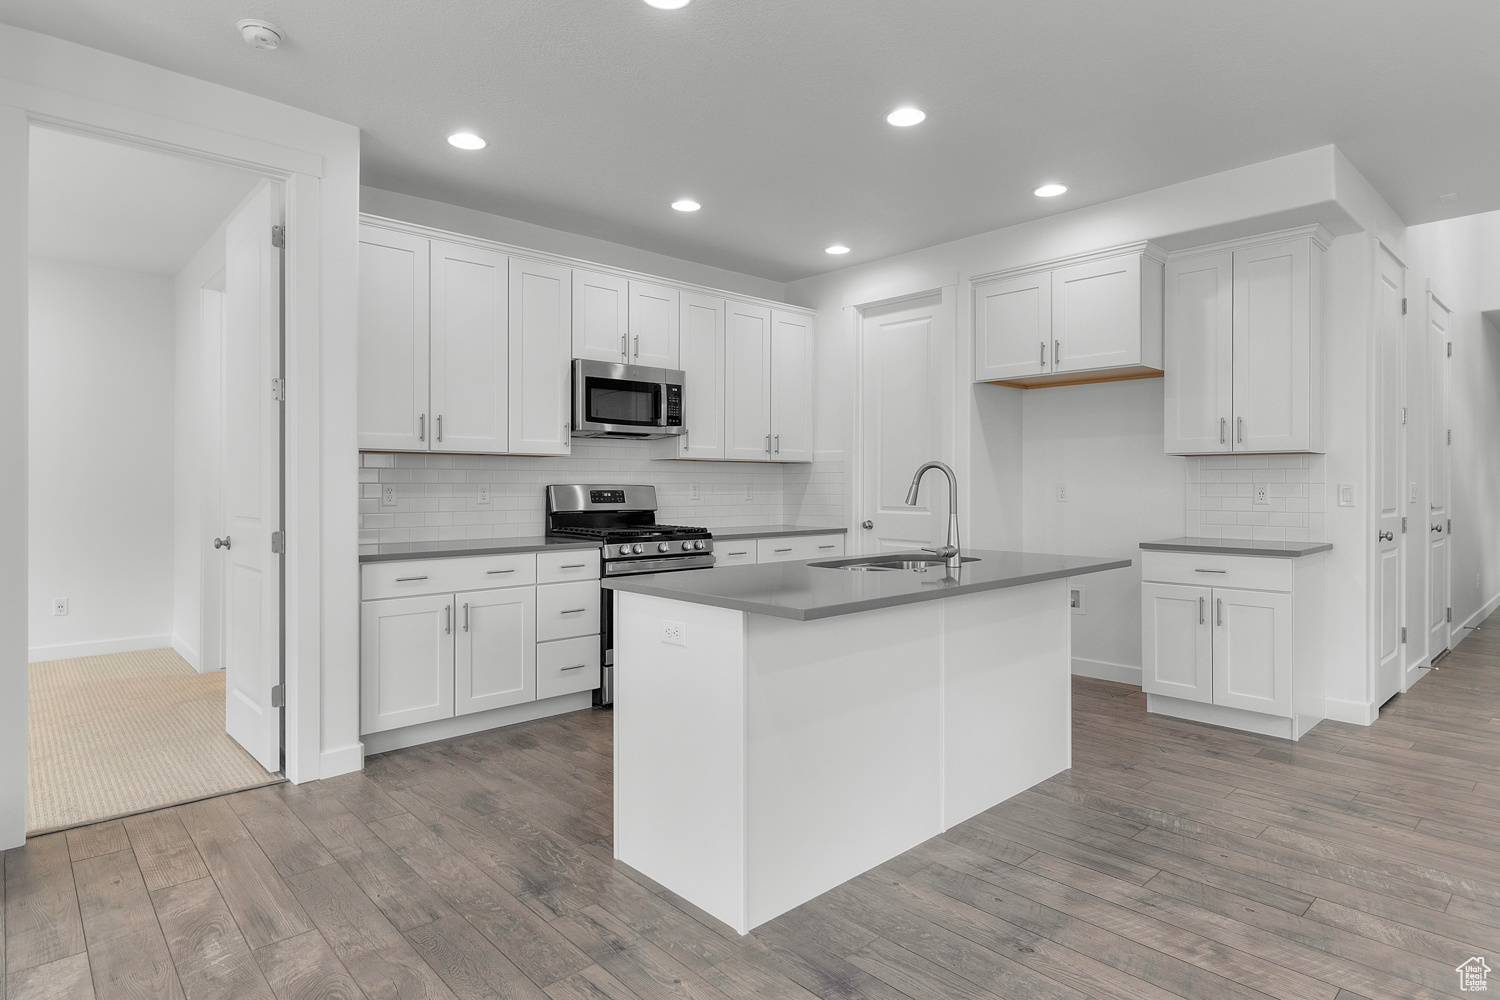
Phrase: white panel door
x=393 y=340
x=1389 y=492
x=251 y=456
x=1177 y=641
x=902 y=395
x=601 y=316
x=747 y=383
x=1273 y=347
x=405 y=661
x=702 y=359
x=1199 y=354
x=494 y=656
x=1253 y=651
x=791 y=387
x=1013 y=327
x=1439 y=450
x=470 y=350
x=654 y=324
x=541 y=391
x=1096 y=314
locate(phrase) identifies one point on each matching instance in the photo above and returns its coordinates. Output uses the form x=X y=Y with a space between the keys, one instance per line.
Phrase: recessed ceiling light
x=906 y=116
x=466 y=140
x=668 y=4
x=1050 y=190
x=837 y=248
x=686 y=205
x=259 y=34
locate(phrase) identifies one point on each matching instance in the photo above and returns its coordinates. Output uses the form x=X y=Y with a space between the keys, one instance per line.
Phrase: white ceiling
x=771 y=112
x=113 y=205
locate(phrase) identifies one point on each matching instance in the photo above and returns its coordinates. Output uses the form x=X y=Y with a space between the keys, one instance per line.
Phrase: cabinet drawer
x=1201 y=569
x=564 y=610
x=569 y=564
x=739 y=552
x=567 y=666
x=799 y=547
x=448 y=575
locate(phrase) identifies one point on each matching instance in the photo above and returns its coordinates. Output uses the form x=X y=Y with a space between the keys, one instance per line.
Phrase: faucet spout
x=950 y=550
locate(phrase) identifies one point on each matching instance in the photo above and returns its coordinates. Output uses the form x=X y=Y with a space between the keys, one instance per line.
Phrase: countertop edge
x=763 y=531
x=1247 y=548
x=488 y=550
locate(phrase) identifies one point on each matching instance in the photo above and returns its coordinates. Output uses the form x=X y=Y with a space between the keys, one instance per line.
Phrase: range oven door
x=628 y=401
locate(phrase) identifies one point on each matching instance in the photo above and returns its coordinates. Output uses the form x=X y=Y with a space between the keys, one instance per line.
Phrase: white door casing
x=1389 y=499
x=1177 y=641
x=211 y=502
x=1199 y=354
x=251 y=454
x=702 y=357
x=470 y=350
x=904 y=386
x=1438 y=525
x=394 y=340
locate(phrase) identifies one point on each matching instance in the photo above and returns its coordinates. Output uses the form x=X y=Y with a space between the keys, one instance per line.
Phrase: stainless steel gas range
x=623 y=520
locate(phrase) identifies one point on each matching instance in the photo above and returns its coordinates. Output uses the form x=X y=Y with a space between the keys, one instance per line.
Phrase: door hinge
x=1450 y=526
x=278 y=542
x=1403 y=307
x=1450 y=435
x=1450 y=615
x=1450 y=348
x=1403 y=633
x=278 y=237
x=1403 y=526
x=278 y=389
x=278 y=697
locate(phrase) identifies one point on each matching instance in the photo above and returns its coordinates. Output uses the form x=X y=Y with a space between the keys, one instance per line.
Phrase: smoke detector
x=259 y=34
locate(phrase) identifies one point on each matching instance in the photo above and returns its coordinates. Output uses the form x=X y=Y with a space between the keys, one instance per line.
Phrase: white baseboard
x=1103 y=670
x=1479 y=616
x=341 y=761
x=1230 y=718
x=187 y=653
x=101 y=647
x=1356 y=713
x=464 y=725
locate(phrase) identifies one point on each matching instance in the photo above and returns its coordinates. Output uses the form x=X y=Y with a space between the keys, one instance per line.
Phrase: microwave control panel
x=673 y=407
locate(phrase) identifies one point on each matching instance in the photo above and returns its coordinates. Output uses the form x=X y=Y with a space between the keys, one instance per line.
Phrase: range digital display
x=606 y=496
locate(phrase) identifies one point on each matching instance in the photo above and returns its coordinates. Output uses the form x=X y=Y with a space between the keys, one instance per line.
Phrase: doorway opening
x=153 y=340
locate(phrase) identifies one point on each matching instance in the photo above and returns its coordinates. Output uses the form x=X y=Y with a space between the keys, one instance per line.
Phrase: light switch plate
x=696 y=495
x=1346 y=494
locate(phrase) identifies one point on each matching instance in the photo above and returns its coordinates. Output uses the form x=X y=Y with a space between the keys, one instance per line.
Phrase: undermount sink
x=890 y=563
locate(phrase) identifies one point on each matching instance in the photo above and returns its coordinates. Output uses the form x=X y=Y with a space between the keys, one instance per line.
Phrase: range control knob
x=698 y=545
x=662 y=546
x=624 y=550
x=687 y=546
x=636 y=548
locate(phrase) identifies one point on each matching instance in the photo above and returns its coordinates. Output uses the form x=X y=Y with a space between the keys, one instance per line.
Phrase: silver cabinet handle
x=1200 y=611
x=1239 y=429
x=494 y=572
x=1222 y=422
x=1221 y=611
x=409 y=579
x=440 y=428
x=448 y=619
x=783 y=550
x=573 y=611
x=740 y=553
x=637 y=346
x=625 y=346
x=768 y=444
x=573 y=566
x=1056 y=352
x=1042 y=362
x=1210 y=571
x=576 y=666
x=422 y=427
x=778 y=444
x=834 y=546
x=466 y=616
x=221 y=543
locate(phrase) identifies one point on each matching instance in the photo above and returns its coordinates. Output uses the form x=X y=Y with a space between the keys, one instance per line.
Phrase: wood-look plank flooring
x=1172 y=860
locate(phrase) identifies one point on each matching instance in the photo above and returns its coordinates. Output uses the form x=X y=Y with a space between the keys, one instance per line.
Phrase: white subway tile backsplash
x=1221 y=492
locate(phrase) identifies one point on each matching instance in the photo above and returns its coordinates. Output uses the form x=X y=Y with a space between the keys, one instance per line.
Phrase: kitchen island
x=782 y=728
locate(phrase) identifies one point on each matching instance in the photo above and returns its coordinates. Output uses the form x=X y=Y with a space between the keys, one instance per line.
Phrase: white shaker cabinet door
x=1096 y=314
x=541 y=323
x=1199 y=354
x=702 y=359
x=601 y=316
x=791 y=387
x=1013 y=327
x=1177 y=641
x=393 y=340
x=470 y=350
x=406 y=662
x=1273 y=347
x=1253 y=650
x=747 y=383
x=654 y=325
x=494 y=662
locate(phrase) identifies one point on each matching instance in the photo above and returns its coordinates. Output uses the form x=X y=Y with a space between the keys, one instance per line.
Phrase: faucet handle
x=942 y=551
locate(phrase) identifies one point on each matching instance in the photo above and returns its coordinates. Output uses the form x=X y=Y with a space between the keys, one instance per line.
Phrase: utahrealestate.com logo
x=1473 y=976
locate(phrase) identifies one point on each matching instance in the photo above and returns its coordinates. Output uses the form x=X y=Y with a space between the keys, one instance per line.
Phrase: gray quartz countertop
x=772 y=530
x=1237 y=547
x=805 y=591
x=468 y=547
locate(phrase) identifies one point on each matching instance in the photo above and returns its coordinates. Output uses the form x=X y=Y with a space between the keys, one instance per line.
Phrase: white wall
x=100 y=469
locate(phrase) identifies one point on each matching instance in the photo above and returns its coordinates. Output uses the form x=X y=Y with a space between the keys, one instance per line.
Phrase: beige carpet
x=121 y=734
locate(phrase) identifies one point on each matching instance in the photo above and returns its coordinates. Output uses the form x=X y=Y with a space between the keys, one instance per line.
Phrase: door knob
x=1387 y=536
x=221 y=543
x=867 y=525
x=1438 y=528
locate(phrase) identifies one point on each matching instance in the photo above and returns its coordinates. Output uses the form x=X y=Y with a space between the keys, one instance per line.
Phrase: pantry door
x=906 y=385
x=251 y=457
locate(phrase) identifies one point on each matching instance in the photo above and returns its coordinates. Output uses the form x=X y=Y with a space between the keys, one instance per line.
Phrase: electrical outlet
x=1075 y=600
x=388 y=496
x=749 y=495
x=696 y=495
x=1261 y=494
x=673 y=633
x=59 y=606
x=1062 y=492
x=484 y=492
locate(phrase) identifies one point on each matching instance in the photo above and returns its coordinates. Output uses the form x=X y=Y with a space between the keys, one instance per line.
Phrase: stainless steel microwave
x=626 y=401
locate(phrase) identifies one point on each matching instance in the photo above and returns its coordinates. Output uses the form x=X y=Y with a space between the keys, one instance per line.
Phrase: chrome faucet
x=948 y=551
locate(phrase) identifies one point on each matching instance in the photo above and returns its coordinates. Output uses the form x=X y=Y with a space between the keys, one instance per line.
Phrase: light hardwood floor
x=1173 y=860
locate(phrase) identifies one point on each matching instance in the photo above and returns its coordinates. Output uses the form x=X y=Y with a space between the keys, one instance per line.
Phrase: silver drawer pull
x=409 y=579
x=828 y=546
x=783 y=550
x=497 y=572
x=573 y=566
x=576 y=666
x=740 y=553
x=574 y=611
x=1210 y=571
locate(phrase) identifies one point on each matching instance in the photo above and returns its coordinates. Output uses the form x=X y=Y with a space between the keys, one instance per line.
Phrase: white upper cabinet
x=394 y=336
x=541 y=323
x=1013 y=327
x=702 y=362
x=470 y=357
x=1095 y=318
x=747 y=383
x=791 y=387
x=1200 y=354
x=654 y=325
x=601 y=317
x=1244 y=347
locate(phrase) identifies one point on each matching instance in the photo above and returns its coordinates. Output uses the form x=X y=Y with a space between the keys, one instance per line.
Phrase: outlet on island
x=673 y=633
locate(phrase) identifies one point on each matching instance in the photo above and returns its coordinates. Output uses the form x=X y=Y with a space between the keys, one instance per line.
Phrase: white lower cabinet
x=1245 y=658
x=798 y=547
x=495 y=654
x=406 y=661
x=567 y=666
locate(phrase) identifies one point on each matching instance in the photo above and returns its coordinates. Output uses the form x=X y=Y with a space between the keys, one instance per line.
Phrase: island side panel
x=845 y=744
x=679 y=751
x=1007 y=694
